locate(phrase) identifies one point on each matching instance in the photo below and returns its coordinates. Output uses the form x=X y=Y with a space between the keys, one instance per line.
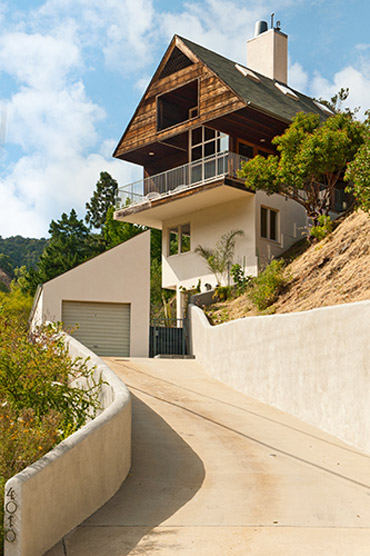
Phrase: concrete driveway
x=217 y=473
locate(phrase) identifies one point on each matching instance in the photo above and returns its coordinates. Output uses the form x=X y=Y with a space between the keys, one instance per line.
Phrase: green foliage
x=102 y=200
x=323 y=227
x=6 y=265
x=312 y=157
x=240 y=280
x=70 y=244
x=268 y=285
x=22 y=251
x=222 y=293
x=116 y=232
x=358 y=171
x=219 y=258
x=15 y=304
x=40 y=400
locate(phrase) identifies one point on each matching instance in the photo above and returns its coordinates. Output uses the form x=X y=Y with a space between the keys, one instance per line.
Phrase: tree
x=312 y=157
x=70 y=244
x=102 y=199
x=358 y=171
x=220 y=258
x=116 y=232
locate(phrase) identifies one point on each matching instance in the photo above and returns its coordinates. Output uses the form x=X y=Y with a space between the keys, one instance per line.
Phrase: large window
x=269 y=223
x=177 y=106
x=205 y=142
x=179 y=239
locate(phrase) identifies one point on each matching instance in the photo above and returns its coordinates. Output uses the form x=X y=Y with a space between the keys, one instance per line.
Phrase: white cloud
x=37 y=191
x=297 y=77
x=357 y=80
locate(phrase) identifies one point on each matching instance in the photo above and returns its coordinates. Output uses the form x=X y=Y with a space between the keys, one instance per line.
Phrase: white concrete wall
x=292 y=226
x=55 y=494
x=120 y=275
x=206 y=228
x=313 y=364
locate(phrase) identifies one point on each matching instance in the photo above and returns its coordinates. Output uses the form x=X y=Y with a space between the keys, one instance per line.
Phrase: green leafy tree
x=220 y=258
x=102 y=199
x=358 y=171
x=70 y=244
x=312 y=157
x=116 y=232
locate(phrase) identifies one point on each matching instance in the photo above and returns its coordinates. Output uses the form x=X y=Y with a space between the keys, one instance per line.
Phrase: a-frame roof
x=261 y=94
x=264 y=95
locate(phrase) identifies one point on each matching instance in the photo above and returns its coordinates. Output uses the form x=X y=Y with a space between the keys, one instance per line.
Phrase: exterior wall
x=268 y=54
x=206 y=228
x=292 y=226
x=120 y=275
x=59 y=491
x=313 y=364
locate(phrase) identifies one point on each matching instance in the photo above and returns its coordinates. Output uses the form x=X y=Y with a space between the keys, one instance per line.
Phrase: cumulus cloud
x=356 y=79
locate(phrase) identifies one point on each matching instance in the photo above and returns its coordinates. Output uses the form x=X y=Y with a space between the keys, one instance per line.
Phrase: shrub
x=240 y=280
x=268 y=285
x=324 y=227
x=41 y=402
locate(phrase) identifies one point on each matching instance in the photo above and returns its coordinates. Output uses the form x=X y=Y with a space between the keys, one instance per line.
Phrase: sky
x=73 y=71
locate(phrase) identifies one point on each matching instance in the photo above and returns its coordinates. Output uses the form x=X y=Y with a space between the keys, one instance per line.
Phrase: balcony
x=171 y=182
x=182 y=190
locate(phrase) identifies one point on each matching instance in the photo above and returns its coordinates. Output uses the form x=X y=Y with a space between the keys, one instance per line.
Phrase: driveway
x=217 y=473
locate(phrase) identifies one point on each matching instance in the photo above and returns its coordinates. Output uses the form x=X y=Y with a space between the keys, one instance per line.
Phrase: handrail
x=182 y=177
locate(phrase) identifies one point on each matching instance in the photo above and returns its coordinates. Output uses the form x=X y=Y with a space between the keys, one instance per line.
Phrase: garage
x=102 y=327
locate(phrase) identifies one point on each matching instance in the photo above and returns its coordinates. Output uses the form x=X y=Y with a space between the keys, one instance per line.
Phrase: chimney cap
x=260 y=27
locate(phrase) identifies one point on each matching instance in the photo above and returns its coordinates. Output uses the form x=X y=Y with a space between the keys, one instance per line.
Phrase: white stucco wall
x=120 y=275
x=206 y=228
x=313 y=364
x=52 y=496
x=292 y=225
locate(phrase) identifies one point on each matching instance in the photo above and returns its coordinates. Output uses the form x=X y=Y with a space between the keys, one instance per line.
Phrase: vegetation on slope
x=330 y=272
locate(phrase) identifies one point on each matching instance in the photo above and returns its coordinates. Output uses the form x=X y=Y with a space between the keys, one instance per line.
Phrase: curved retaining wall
x=314 y=364
x=59 y=491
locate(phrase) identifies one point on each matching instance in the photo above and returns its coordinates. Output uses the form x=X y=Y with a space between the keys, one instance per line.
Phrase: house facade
x=201 y=116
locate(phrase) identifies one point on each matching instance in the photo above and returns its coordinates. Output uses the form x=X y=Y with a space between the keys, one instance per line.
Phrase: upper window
x=177 y=106
x=269 y=223
x=179 y=239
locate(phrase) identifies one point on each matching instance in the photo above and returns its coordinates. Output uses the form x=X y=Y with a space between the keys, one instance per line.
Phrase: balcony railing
x=183 y=177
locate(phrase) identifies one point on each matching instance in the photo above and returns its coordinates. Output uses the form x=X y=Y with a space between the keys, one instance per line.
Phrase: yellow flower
x=40 y=447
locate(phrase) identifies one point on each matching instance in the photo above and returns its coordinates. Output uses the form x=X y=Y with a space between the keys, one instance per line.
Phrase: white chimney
x=267 y=52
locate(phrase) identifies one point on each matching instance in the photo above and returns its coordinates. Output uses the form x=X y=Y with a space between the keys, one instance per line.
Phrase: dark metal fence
x=168 y=337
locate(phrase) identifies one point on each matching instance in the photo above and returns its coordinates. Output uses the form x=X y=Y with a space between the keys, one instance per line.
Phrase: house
x=105 y=301
x=200 y=117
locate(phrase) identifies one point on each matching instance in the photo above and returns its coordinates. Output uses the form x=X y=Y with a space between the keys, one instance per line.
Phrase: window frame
x=269 y=212
x=178 y=229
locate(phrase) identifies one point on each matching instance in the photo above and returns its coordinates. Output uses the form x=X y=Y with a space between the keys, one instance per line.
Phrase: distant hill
x=22 y=251
x=15 y=252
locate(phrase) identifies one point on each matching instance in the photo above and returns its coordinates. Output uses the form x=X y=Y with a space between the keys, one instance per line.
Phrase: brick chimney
x=267 y=52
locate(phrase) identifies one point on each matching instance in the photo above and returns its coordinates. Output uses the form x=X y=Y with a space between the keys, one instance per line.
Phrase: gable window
x=177 y=106
x=269 y=223
x=179 y=239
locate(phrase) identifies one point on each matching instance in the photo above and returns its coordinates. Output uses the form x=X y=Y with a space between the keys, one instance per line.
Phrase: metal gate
x=168 y=337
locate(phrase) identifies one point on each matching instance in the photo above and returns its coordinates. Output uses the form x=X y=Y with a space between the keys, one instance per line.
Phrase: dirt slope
x=333 y=271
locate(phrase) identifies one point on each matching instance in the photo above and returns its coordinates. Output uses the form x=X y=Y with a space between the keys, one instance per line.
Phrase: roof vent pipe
x=260 y=27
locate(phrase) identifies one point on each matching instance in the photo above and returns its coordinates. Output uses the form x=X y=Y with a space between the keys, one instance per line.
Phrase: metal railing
x=183 y=177
x=168 y=337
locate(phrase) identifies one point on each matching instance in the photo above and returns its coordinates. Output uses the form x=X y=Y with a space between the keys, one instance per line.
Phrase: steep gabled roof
x=262 y=95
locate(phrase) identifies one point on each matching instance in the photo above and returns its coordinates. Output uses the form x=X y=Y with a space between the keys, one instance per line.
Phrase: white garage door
x=102 y=327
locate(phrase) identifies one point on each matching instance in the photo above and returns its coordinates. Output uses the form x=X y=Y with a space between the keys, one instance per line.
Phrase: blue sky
x=73 y=71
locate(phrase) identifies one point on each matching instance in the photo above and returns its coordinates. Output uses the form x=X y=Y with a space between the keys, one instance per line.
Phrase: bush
x=240 y=280
x=40 y=400
x=324 y=227
x=268 y=285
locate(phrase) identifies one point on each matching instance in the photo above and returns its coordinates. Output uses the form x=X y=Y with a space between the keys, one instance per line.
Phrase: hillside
x=333 y=271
